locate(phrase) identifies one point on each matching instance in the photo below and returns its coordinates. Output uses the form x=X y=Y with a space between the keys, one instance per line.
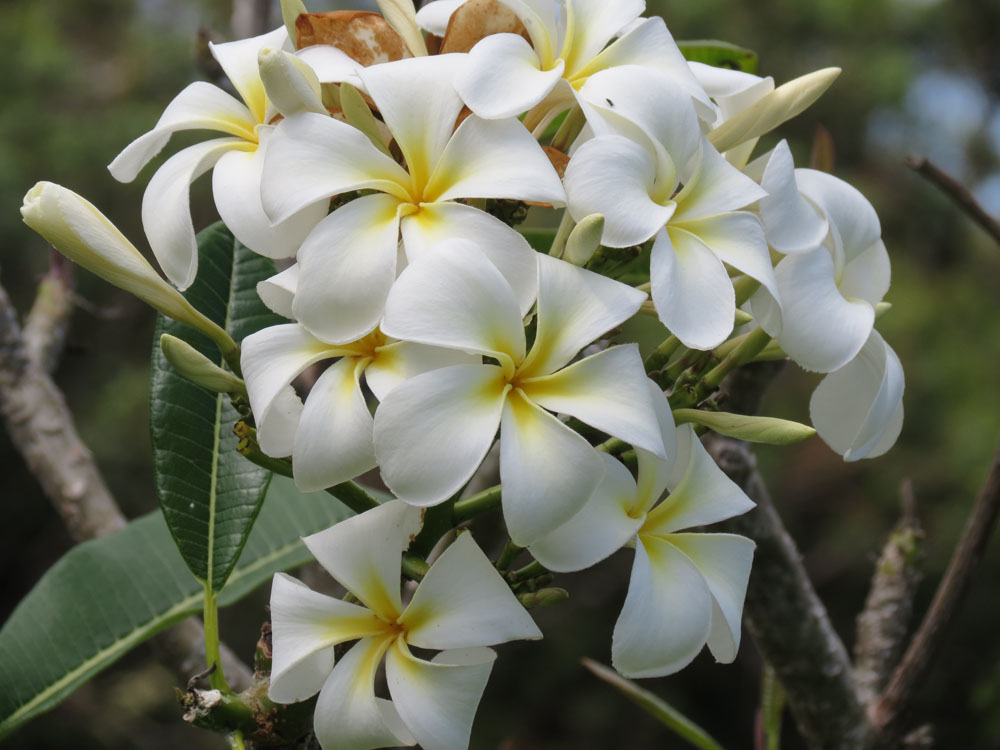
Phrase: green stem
x=772 y=705
x=531 y=570
x=566 y=225
x=506 y=559
x=353 y=496
x=472 y=506
x=213 y=655
x=569 y=130
x=414 y=567
x=236 y=741
x=659 y=357
x=745 y=288
x=749 y=348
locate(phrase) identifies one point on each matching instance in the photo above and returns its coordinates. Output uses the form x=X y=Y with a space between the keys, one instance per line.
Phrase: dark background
x=82 y=79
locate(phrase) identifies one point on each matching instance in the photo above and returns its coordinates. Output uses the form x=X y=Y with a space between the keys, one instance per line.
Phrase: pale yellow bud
x=775 y=108
x=584 y=240
x=402 y=16
x=291 y=85
x=197 y=368
x=74 y=227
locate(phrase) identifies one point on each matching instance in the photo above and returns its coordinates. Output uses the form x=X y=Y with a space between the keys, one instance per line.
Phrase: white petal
x=433 y=431
x=463 y=602
x=352 y=252
x=609 y=391
x=278 y=291
x=575 y=307
x=614 y=176
x=724 y=560
x=454 y=297
x=438 y=699
x=656 y=105
x=599 y=529
x=334 y=441
x=398 y=362
x=867 y=275
x=733 y=90
x=433 y=17
x=654 y=473
x=271 y=359
x=494 y=159
x=419 y=105
x=649 y=44
x=332 y=65
x=236 y=183
x=700 y=492
x=278 y=438
x=290 y=84
x=348 y=715
x=857 y=410
x=793 y=225
x=506 y=248
x=200 y=106
x=737 y=238
x=691 y=289
x=311 y=157
x=305 y=627
x=502 y=77
x=547 y=470
x=166 y=208
x=667 y=614
x=546 y=24
x=850 y=214
x=592 y=23
x=716 y=187
x=363 y=554
x=820 y=329
x=239 y=61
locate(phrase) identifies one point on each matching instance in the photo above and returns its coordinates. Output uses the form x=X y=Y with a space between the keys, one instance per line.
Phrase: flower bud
x=291 y=85
x=74 y=227
x=198 y=368
x=584 y=240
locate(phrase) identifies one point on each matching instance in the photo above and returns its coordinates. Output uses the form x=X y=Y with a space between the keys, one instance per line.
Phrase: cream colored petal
x=278 y=291
x=239 y=61
x=363 y=554
x=398 y=362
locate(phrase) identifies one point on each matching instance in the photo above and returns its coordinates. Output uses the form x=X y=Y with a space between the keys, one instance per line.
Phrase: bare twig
x=788 y=621
x=42 y=429
x=889 y=714
x=957 y=192
x=883 y=623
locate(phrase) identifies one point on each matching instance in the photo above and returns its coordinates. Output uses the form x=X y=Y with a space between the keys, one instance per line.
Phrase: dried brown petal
x=477 y=19
x=365 y=37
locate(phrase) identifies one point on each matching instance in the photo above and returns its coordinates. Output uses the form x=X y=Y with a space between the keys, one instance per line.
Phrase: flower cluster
x=444 y=334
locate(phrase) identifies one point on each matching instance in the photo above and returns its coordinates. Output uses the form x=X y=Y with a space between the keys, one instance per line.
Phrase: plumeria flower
x=858 y=409
x=732 y=92
x=829 y=294
x=461 y=606
x=432 y=432
x=686 y=589
x=354 y=250
x=236 y=161
x=506 y=75
x=653 y=176
x=329 y=437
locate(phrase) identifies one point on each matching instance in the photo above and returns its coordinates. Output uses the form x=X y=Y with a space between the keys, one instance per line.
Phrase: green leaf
x=656 y=707
x=108 y=595
x=209 y=493
x=719 y=54
x=752 y=429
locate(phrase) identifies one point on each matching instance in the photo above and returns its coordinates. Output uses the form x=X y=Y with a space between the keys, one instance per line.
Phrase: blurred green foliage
x=84 y=78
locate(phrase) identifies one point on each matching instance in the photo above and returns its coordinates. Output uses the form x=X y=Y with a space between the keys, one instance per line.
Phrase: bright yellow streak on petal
x=373 y=649
x=373 y=593
x=341 y=629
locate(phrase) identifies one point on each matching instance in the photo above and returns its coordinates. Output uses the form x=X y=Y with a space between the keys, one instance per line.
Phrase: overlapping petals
x=354 y=249
x=461 y=606
x=329 y=437
x=432 y=432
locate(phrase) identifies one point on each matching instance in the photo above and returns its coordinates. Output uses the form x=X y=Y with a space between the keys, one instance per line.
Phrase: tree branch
x=957 y=192
x=890 y=713
x=788 y=621
x=884 y=621
x=42 y=429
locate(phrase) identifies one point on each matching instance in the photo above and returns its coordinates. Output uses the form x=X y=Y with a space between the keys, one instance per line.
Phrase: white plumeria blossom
x=236 y=161
x=432 y=432
x=858 y=409
x=433 y=17
x=354 y=249
x=506 y=76
x=828 y=295
x=652 y=175
x=329 y=437
x=732 y=92
x=686 y=589
x=461 y=606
